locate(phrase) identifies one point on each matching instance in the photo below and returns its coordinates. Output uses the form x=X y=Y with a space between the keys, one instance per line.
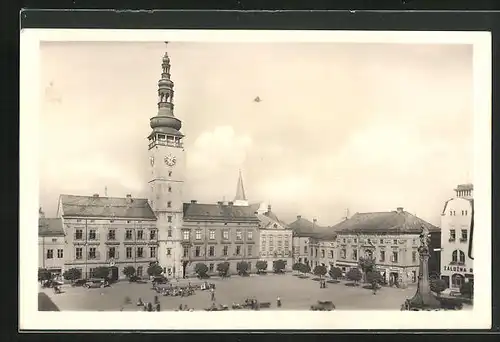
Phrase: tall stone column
x=423 y=298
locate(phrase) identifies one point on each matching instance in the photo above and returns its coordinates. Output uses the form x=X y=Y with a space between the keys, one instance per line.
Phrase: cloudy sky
x=368 y=127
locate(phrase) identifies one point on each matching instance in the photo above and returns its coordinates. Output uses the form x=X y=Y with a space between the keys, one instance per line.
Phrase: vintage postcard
x=255 y=180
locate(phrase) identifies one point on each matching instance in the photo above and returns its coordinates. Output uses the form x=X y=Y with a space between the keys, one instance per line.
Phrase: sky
x=357 y=127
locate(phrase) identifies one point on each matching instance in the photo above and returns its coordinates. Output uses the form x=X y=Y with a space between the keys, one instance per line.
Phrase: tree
x=129 y=271
x=223 y=269
x=72 y=274
x=335 y=272
x=319 y=270
x=304 y=268
x=101 y=272
x=367 y=264
x=44 y=274
x=279 y=265
x=374 y=278
x=354 y=275
x=467 y=289
x=154 y=270
x=242 y=267
x=201 y=270
x=261 y=266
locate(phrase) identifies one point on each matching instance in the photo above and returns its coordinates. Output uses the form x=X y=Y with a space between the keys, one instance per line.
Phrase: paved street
x=295 y=293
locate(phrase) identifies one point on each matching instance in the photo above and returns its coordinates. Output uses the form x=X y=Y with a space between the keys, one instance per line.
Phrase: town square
x=188 y=227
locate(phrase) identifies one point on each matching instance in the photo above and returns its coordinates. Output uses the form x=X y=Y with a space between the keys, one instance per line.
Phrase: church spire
x=165 y=123
x=240 y=198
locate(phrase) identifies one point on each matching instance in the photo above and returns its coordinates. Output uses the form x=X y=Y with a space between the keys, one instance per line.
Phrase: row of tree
x=73 y=274
x=242 y=268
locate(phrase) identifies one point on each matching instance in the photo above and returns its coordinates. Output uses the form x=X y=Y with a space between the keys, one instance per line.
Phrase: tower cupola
x=165 y=126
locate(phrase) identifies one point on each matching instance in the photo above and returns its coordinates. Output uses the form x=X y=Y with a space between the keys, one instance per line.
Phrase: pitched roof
x=94 y=206
x=50 y=227
x=384 y=222
x=219 y=212
x=269 y=219
x=305 y=228
x=464 y=187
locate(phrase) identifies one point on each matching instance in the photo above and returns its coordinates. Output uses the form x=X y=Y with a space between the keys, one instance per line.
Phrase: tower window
x=161 y=137
x=170 y=173
x=169 y=204
x=169 y=188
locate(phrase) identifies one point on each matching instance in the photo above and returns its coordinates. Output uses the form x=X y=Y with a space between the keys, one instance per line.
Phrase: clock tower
x=167 y=168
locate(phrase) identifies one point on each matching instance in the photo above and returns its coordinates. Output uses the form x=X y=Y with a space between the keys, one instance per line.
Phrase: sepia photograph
x=265 y=176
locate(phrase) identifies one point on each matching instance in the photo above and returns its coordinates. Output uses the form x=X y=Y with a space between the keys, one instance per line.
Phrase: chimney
x=41 y=214
x=269 y=208
x=315 y=220
x=194 y=201
x=129 y=198
x=399 y=209
x=129 y=195
x=96 y=195
x=230 y=204
x=220 y=203
x=299 y=217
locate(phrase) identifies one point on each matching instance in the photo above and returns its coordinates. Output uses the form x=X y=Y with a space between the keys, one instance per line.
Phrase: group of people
x=149 y=306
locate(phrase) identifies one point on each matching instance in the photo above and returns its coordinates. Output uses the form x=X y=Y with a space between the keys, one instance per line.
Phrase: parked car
x=79 y=282
x=323 y=306
x=95 y=283
x=159 y=280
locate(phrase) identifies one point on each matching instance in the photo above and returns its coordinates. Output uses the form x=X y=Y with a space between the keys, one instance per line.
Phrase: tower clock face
x=170 y=160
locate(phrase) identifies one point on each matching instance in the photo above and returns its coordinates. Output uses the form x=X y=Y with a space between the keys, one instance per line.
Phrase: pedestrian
x=158 y=307
x=150 y=307
x=156 y=300
x=278 y=302
x=212 y=294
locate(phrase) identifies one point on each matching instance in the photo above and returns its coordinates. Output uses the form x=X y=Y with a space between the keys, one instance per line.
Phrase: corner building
x=110 y=232
x=457 y=225
x=392 y=238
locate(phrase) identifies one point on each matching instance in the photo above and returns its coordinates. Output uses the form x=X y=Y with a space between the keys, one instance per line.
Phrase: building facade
x=313 y=244
x=457 y=223
x=276 y=240
x=167 y=170
x=51 y=244
x=108 y=231
x=216 y=233
x=391 y=238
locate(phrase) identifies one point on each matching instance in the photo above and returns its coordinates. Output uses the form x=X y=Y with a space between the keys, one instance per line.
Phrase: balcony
x=463 y=239
x=115 y=255
x=451 y=239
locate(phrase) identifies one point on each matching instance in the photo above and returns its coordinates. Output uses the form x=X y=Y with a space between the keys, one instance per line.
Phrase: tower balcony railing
x=179 y=144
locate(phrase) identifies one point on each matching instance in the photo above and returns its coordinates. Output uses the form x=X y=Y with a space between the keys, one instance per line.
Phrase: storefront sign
x=456 y=269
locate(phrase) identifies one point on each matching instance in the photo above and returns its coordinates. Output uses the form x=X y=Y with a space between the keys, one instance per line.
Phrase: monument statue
x=423 y=299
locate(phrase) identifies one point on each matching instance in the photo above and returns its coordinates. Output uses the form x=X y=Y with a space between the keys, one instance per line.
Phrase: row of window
x=454 y=213
x=111 y=235
x=374 y=241
x=279 y=237
x=279 y=243
x=210 y=251
x=186 y=234
x=112 y=253
x=453 y=235
x=276 y=253
x=93 y=221
x=271 y=248
x=50 y=254
x=382 y=256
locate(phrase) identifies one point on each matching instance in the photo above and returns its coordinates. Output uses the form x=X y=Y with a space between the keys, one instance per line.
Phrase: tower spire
x=240 y=198
x=165 y=122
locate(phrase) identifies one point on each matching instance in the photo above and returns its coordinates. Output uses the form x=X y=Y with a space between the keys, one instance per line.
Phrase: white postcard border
x=31 y=318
